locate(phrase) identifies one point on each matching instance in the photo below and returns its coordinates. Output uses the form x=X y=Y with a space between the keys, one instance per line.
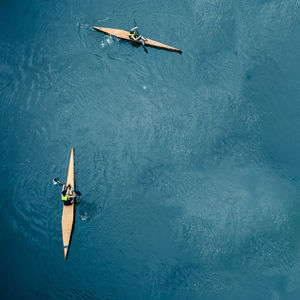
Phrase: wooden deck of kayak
x=67 y=219
x=124 y=35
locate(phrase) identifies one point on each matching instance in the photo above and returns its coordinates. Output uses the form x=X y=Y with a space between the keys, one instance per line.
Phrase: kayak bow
x=124 y=35
x=67 y=219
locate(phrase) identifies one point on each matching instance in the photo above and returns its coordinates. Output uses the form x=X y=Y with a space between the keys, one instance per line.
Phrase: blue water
x=188 y=165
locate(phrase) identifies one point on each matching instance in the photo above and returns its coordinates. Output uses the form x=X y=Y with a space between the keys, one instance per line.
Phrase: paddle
x=143 y=42
x=56 y=181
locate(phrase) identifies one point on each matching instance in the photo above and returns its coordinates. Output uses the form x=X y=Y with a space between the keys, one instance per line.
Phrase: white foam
x=108 y=40
x=84 y=216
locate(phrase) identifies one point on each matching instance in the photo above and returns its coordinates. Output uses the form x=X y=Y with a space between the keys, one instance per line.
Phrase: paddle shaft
x=56 y=180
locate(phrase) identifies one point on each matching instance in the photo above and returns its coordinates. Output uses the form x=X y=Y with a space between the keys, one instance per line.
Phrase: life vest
x=64 y=198
x=132 y=35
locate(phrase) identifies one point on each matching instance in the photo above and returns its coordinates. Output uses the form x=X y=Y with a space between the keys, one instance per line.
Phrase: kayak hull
x=67 y=219
x=124 y=35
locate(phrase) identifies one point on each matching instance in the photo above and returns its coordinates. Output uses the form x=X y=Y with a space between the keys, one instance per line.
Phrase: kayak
x=67 y=219
x=124 y=35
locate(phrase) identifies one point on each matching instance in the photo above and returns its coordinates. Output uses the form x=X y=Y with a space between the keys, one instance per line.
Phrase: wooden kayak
x=124 y=35
x=68 y=213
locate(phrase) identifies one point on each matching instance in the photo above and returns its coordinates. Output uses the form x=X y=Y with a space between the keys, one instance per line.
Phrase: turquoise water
x=187 y=165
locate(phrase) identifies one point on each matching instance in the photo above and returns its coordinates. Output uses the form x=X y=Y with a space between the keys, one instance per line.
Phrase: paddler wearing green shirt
x=133 y=35
x=67 y=195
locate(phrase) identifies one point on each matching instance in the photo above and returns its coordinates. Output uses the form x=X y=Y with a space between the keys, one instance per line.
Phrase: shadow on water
x=88 y=210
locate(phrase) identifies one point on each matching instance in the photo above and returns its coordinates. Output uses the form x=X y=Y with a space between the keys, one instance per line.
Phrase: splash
x=108 y=40
x=84 y=216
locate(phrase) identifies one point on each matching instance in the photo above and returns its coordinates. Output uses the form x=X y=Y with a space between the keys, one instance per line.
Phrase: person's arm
x=73 y=195
x=63 y=188
x=134 y=28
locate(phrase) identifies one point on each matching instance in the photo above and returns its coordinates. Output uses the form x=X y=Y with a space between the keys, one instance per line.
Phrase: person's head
x=64 y=192
x=131 y=31
x=69 y=187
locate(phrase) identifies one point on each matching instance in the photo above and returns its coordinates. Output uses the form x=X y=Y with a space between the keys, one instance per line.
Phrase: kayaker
x=133 y=35
x=67 y=195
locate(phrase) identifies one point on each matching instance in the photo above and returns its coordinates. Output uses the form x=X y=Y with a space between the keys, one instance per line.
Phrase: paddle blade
x=55 y=181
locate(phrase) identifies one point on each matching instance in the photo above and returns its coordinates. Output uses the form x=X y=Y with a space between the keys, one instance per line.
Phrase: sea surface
x=188 y=165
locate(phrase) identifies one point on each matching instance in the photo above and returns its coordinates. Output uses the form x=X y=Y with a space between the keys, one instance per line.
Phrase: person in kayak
x=134 y=35
x=67 y=195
